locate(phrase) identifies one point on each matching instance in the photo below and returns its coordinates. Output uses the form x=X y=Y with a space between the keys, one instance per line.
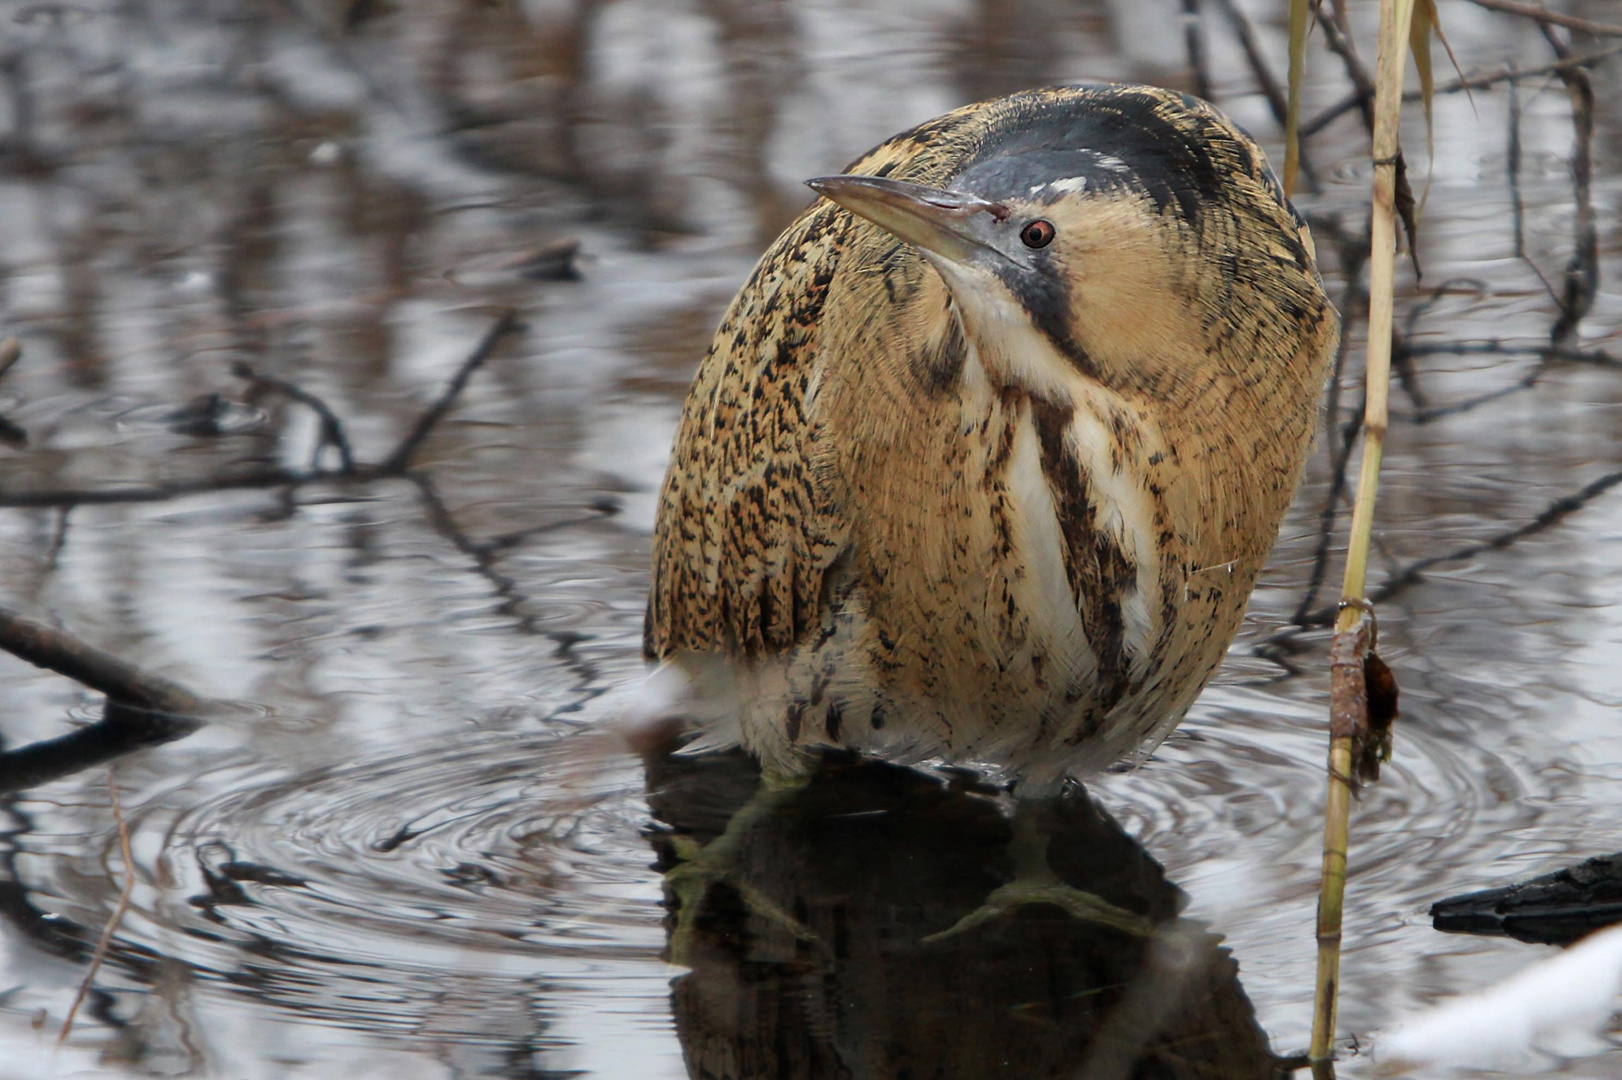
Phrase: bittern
x=990 y=448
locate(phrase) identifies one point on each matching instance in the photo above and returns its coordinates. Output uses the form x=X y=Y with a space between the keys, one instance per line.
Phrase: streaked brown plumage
x=993 y=499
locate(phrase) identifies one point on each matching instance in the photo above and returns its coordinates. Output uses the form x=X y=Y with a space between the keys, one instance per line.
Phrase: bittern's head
x=1130 y=235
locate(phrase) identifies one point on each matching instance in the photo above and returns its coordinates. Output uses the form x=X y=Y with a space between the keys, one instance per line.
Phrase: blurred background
x=406 y=850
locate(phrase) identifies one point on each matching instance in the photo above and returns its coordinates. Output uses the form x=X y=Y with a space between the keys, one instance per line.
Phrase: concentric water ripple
x=362 y=892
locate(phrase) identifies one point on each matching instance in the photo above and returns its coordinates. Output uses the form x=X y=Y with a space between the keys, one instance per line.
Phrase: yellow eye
x=1038 y=233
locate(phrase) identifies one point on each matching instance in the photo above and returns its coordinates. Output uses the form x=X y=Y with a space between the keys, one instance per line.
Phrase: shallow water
x=413 y=847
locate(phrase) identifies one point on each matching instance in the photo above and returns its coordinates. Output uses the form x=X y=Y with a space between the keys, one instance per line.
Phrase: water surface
x=410 y=849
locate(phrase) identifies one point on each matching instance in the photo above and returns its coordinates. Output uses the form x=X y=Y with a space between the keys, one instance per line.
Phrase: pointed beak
x=945 y=223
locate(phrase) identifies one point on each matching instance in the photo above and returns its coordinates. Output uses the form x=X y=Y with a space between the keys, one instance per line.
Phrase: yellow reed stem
x=1348 y=702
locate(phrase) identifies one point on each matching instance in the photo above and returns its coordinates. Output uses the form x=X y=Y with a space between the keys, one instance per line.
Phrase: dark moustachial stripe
x=1099 y=571
x=1046 y=298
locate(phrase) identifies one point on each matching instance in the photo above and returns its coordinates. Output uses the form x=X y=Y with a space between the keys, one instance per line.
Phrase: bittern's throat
x=987 y=455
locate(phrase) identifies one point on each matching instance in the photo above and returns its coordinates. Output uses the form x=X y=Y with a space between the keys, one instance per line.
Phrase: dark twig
x=277 y=477
x=1582 y=271
x=1459 y=408
x=251 y=479
x=1194 y=41
x=1498 y=347
x=1402 y=357
x=398 y=461
x=1512 y=172
x=105 y=942
x=1340 y=43
x=1544 y=354
x=513 y=601
x=1414 y=572
x=59 y=537
x=484 y=553
x=1276 y=102
x=332 y=429
x=1551 y=18
x=1402 y=362
x=122 y=730
x=1356 y=99
x=59 y=651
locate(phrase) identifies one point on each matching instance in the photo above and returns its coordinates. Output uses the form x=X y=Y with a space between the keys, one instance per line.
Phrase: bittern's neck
x=1179 y=441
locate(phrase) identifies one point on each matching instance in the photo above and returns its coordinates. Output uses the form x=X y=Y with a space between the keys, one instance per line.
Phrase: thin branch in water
x=123 y=729
x=1340 y=43
x=1452 y=286
x=1582 y=272
x=1492 y=347
x=1512 y=171
x=1194 y=42
x=398 y=461
x=1402 y=362
x=1548 y=18
x=1402 y=357
x=276 y=477
x=252 y=479
x=1556 y=512
x=1459 y=408
x=104 y=943
x=1498 y=347
x=1510 y=73
x=1276 y=101
x=1414 y=572
x=59 y=537
x=59 y=651
x=332 y=428
x=513 y=601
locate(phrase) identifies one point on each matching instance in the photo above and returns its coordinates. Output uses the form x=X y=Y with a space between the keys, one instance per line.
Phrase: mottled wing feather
x=748 y=524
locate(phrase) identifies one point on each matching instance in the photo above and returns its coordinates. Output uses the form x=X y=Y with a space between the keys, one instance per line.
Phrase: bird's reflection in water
x=808 y=955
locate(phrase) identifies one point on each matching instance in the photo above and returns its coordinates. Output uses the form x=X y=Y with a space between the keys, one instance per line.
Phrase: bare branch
x=1414 y=572
x=59 y=651
x=332 y=429
x=398 y=461
x=1276 y=101
x=273 y=477
x=105 y=942
x=1472 y=82
x=1194 y=42
x=1548 y=18
x=1582 y=271
x=1340 y=43
x=249 y=480
x=123 y=730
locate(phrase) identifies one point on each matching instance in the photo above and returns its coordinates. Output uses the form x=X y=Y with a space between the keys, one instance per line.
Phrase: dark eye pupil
x=1037 y=234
